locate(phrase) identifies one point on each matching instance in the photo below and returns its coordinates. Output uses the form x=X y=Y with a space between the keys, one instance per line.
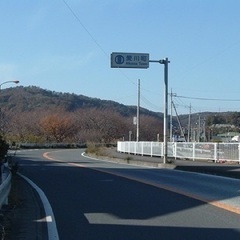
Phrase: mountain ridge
x=21 y=99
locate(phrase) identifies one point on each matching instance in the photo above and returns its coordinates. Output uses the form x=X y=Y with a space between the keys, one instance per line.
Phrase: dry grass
x=95 y=149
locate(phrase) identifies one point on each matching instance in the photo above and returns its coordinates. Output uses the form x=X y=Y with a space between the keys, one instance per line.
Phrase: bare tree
x=23 y=127
x=100 y=125
x=57 y=127
x=150 y=127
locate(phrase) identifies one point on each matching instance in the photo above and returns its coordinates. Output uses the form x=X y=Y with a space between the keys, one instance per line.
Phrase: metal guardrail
x=5 y=188
x=215 y=152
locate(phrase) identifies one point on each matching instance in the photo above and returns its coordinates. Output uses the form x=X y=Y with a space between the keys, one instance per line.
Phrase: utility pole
x=179 y=123
x=171 y=115
x=199 y=128
x=171 y=124
x=204 y=130
x=189 y=122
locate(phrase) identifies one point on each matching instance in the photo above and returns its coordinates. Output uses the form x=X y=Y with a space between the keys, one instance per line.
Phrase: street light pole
x=1 y=125
x=16 y=82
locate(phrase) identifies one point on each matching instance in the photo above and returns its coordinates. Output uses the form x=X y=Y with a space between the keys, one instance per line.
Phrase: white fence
x=185 y=150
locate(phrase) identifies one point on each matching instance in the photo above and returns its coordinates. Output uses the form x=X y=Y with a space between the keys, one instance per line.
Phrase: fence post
x=193 y=148
x=239 y=153
x=162 y=149
x=215 y=152
x=151 y=149
x=175 y=150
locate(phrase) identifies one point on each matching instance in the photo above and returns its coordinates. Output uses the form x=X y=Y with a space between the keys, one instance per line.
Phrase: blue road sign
x=129 y=60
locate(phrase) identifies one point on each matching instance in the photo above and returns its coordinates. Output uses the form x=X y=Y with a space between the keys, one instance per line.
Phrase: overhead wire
x=93 y=38
x=180 y=103
x=144 y=99
x=149 y=103
x=211 y=99
x=85 y=28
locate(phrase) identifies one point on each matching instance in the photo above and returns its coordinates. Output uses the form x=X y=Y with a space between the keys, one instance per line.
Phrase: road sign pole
x=165 y=62
x=138 y=106
x=141 y=60
x=165 y=123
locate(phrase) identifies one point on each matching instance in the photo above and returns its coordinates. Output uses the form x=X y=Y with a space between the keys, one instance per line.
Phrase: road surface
x=94 y=199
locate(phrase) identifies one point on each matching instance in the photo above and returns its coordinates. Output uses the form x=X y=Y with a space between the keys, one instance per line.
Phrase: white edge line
x=120 y=163
x=51 y=226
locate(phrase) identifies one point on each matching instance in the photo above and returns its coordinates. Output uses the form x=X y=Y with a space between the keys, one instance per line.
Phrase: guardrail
x=185 y=150
x=5 y=188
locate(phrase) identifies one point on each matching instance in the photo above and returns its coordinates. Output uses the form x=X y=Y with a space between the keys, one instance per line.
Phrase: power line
x=83 y=26
x=149 y=103
x=106 y=54
x=94 y=39
x=211 y=99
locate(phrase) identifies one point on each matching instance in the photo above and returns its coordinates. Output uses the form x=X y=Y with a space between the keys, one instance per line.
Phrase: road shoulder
x=24 y=212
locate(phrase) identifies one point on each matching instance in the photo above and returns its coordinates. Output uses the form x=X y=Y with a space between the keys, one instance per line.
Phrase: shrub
x=96 y=149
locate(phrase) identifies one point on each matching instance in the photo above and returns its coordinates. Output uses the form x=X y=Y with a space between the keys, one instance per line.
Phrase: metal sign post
x=165 y=123
x=141 y=60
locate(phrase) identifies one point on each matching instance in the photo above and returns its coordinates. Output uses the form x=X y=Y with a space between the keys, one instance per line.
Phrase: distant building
x=236 y=138
x=223 y=126
x=227 y=137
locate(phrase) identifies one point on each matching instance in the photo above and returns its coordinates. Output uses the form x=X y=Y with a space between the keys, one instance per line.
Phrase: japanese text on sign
x=129 y=60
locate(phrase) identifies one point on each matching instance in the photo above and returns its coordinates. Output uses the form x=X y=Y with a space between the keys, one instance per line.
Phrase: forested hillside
x=32 y=114
x=25 y=99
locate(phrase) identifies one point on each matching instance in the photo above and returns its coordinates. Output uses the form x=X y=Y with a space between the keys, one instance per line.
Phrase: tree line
x=232 y=118
x=33 y=115
x=57 y=125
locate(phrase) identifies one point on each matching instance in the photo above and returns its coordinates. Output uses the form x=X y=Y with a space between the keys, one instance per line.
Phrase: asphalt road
x=94 y=200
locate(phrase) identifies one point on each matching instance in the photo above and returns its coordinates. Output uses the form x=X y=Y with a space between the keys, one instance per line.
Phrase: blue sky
x=65 y=46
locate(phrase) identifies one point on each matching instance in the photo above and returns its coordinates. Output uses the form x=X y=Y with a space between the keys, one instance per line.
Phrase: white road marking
x=50 y=219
